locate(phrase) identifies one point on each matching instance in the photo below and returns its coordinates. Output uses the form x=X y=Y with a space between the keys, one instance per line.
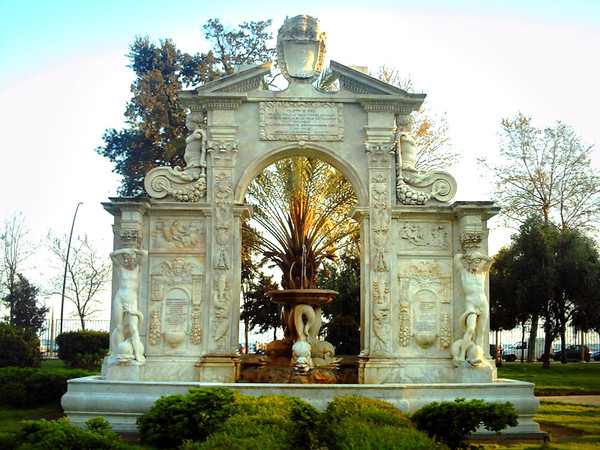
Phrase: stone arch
x=297 y=149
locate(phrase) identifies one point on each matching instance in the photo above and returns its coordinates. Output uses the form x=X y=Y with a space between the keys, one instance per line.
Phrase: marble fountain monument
x=176 y=281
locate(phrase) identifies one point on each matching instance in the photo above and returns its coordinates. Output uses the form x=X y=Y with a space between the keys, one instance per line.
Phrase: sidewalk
x=593 y=400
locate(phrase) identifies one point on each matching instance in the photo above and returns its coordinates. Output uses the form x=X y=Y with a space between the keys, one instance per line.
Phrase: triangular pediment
x=247 y=79
x=355 y=81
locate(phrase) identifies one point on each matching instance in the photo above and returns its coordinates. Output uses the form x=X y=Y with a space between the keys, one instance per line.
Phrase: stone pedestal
x=217 y=369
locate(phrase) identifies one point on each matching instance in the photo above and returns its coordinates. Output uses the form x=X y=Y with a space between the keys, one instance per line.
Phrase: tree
x=342 y=329
x=155 y=134
x=87 y=273
x=16 y=248
x=553 y=274
x=258 y=310
x=545 y=172
x=303 y=205
x=430 y=131
x=505 y=311
x=24 y=309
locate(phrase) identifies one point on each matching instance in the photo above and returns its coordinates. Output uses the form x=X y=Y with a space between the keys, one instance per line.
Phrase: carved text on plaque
x=301 y=121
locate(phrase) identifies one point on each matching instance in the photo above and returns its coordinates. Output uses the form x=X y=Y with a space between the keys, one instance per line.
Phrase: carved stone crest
x=301 y=49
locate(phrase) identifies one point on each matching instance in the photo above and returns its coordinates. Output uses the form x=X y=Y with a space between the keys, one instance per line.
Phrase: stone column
x=376 y=355
x=220 y=364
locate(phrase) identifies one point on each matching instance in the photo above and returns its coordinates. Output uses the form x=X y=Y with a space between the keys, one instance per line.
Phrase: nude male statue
x=473 y=267
x=126 y=345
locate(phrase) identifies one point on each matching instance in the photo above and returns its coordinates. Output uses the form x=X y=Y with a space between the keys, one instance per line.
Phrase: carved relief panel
x=175 y=309
x=424 y=303
x=424 y=237
x=178 y=235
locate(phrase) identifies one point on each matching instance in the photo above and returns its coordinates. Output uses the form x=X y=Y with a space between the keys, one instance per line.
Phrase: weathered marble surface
x=121 y=402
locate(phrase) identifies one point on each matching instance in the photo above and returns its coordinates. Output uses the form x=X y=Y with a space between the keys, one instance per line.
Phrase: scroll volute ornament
x=301 y=49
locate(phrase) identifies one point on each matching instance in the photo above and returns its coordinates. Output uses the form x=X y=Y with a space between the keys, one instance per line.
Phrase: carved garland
x=222 y=297
x=380 y=289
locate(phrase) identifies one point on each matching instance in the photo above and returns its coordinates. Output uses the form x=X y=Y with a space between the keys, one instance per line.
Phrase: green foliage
x=23 y=304
x=28 y=387
x=268 y=422
x=257 y=308
x=353 y=422
x=194 y=416
x=155 y=134
x=551 y=274
x=452 y=422
x=82 y=349
x=18 y=347
x=342 y=329
x=303 y=204
x=60 y=434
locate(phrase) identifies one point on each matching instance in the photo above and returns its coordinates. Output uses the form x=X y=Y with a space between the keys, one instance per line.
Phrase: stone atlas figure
x=473 y=267
x=126 y=345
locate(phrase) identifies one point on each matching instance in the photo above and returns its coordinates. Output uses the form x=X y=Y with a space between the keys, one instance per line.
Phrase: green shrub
x=354 y=422
x=30 y=387
x=194 y=416
x=60 y=434
x=83 y=349
x=19 y=347
x=265 y=422
x=452 y=422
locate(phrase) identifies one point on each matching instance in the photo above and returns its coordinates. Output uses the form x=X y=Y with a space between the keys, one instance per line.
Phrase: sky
x=64 y=80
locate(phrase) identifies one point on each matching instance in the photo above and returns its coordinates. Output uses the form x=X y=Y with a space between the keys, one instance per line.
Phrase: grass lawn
x=560 y=379
x=10 y=417
x=49 y=364
x=570 y=427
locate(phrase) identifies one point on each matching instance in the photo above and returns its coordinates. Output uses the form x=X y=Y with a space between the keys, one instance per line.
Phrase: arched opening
x=301 y=236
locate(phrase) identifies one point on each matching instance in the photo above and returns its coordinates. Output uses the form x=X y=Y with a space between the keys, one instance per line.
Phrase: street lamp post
x=62 y=299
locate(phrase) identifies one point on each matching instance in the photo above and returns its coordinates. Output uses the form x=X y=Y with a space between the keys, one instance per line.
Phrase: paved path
x=593 y=400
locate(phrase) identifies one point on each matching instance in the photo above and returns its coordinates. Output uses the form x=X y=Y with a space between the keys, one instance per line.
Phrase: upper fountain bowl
x=313 y=297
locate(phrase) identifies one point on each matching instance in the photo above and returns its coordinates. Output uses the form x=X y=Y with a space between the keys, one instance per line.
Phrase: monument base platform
x=122 y=402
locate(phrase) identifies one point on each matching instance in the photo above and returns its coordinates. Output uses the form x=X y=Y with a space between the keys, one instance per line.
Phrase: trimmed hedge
x=452 y=422
x=60 y=434
x=30 y=387
x=19 y=347
x=194 y=416
x=352 y=421
x=218 y=418
x=82 y=349
x=266 y=422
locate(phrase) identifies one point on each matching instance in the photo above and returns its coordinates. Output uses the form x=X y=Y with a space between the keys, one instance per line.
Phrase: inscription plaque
x=177 y=304
x=301 y=121
x=426 y=317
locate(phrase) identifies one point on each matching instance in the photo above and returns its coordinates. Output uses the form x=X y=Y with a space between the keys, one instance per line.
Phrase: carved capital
x=223 y=152
x=380 y=154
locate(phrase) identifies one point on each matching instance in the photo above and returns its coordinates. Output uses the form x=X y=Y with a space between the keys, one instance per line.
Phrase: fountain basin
x=314 y=297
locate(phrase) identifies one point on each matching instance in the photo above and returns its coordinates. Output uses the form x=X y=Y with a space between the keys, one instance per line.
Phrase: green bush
x=452 y=422
x=60 y=434
x=19 y=347
x=194 y=416
x=30 y=387
x=353 y=422
x=82 y=349
x=265 y=422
